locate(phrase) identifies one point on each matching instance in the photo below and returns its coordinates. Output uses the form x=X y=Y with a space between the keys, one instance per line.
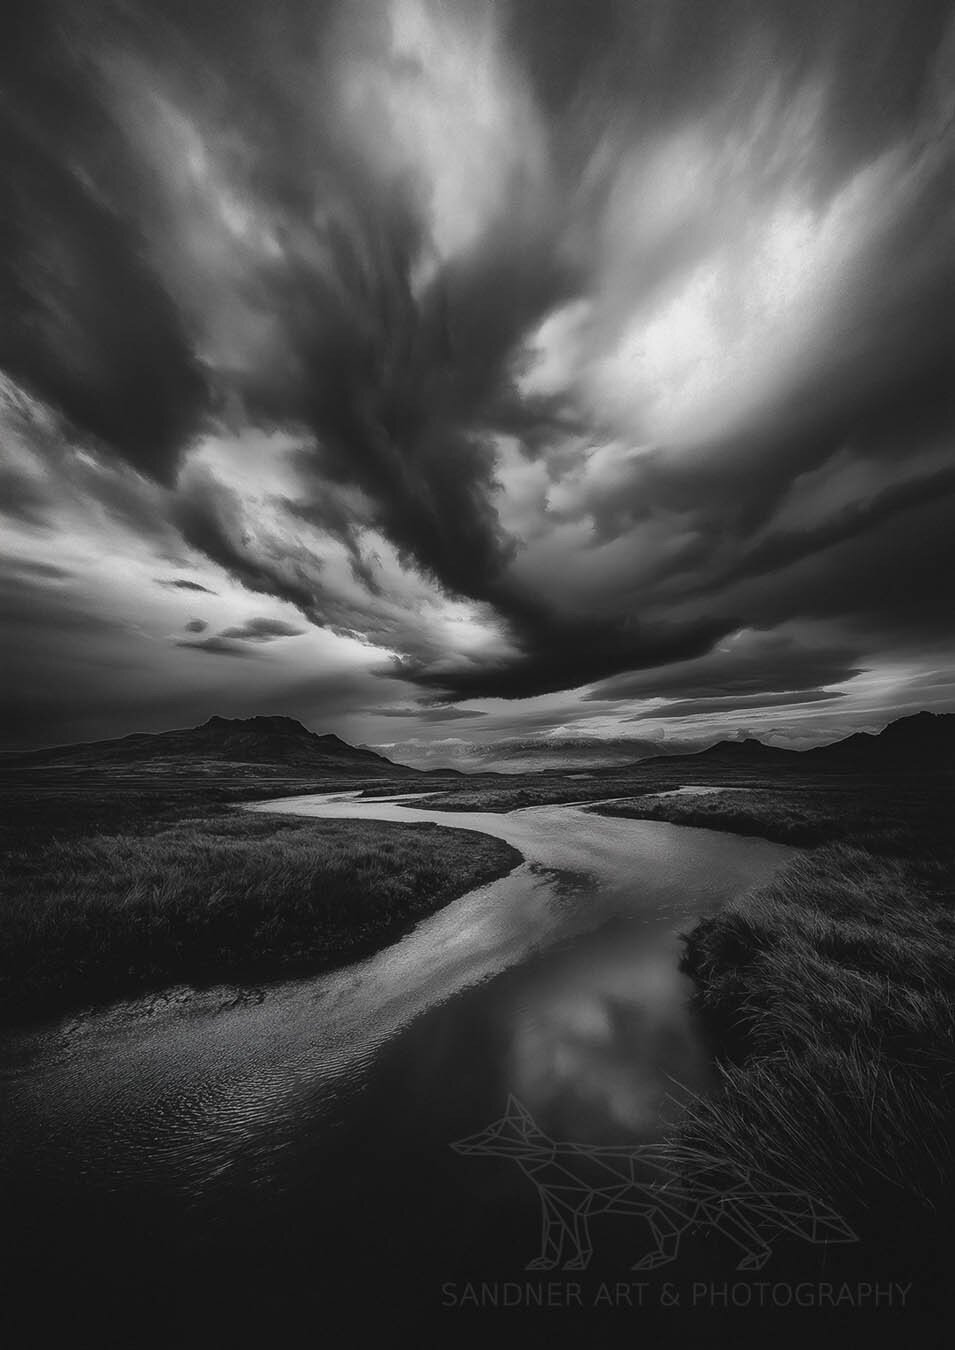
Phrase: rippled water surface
x=286 y=1129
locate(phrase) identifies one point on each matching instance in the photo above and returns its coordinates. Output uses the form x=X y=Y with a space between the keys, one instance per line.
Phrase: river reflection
x=603 y=1042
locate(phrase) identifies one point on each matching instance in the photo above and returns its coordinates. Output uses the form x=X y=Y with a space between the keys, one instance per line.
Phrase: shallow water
x=283 y=1129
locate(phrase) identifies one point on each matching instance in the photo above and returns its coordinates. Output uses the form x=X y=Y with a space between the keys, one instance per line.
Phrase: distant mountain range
x=563 y=754
x=922 y=739
x=566 y=754
x=275 y=744
x=924 y=736
x=259 y=742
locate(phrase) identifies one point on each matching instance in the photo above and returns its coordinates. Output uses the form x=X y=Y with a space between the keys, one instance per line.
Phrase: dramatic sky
x=453 y=373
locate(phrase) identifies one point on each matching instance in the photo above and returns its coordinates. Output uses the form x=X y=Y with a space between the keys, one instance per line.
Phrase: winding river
x=292 y=1142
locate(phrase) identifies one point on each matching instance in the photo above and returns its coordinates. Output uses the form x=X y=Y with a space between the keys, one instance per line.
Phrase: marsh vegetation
x=128 y=898
x=830 y=997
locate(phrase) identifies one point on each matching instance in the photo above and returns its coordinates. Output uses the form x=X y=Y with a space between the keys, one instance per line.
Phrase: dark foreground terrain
x=828 y=995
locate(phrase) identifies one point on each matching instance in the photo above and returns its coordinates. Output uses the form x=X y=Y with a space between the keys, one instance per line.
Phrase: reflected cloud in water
x=605 y=1041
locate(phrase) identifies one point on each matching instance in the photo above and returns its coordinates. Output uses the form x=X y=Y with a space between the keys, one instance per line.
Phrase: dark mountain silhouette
x=922 y=740
x=275 y=742
x=282 y=743
x=748 y=752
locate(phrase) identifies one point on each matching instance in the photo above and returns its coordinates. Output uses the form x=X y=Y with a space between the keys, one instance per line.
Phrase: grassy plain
x=107 y=889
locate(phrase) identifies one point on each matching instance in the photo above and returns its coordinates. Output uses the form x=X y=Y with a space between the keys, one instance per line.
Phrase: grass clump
x=831 y=998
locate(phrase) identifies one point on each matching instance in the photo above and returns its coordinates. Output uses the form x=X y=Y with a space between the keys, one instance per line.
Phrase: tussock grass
x=891 y=1176
x=831 y=996
x=216 y=897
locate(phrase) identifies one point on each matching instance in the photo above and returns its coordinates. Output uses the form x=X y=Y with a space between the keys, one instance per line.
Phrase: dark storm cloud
x=763 y=663
x=400 y=388
x=735 y=494
x=210 y=518
x=427 y=714
x=781 y=549
x=87 y=324
x=55 y=469
x=240 y=639
x=336 y=217
x=386 y=400
x=329 y=513
x=564 y=653
x=180 y=584
x=262 y=630
x=893 y=585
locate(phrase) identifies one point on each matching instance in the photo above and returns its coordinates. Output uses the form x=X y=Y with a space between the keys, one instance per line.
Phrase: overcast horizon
x=450 y=375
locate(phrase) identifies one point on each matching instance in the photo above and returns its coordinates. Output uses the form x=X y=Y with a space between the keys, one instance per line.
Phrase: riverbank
x=201 y=893
x=829 y=997
x=888 y=817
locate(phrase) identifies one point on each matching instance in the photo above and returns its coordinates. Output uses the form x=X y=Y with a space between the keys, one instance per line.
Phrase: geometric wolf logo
x=577 y=1181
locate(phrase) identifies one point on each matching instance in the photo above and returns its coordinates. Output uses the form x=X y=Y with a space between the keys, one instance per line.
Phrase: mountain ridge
x=906 y=742
x=262 y=740
x=283 y=742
